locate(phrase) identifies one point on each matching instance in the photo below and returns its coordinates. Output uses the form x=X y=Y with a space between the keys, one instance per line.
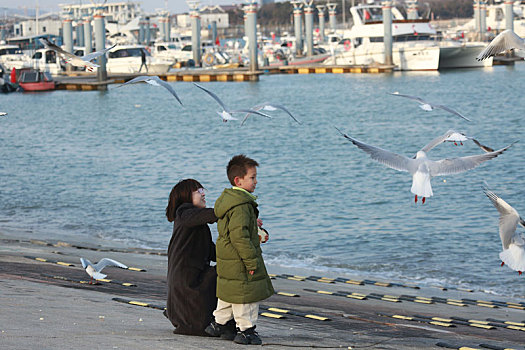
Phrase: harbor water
x=97 y=167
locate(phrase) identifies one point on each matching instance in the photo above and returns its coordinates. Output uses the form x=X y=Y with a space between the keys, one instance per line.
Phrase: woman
x=191 y=280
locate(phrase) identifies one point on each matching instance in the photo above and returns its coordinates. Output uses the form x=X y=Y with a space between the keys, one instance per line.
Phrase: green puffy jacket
x=239 y=250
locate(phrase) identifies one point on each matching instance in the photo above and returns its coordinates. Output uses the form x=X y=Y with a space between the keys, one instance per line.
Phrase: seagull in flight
x=94 y=270
x=427 y=106
x=455 y=137
x=421 y=167
x=226 y=113
x=267 y=106
x=153 y=80
x=504 y=41
x=77 y=61
x=513 y=243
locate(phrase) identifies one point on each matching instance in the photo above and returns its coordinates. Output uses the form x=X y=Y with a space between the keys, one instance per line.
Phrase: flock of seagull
x=420 y=166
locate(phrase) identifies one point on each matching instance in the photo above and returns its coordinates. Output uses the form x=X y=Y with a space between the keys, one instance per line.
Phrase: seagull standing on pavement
x=504 y=41
x=94 y=269
x=421 y=167
x=155 y=81
x=427 y=106
x=77 y=61
x=226 y=113
x=513 y=243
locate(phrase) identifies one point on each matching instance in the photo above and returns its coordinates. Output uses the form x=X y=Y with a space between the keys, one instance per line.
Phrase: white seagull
x=421 y=167
x=153 y=80
x=94 y=270
x=3 y=114
x=427 y=106
x=513 y=243
x=77 y=61
x=226 y=113
x=267 y=106
x=455 y=137
x=504 y=41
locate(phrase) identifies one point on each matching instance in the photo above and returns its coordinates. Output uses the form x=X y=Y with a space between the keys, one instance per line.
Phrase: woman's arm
x=192 y=216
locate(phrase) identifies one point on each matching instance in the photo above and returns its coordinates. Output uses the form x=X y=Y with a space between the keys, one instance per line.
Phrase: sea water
x=98 y=167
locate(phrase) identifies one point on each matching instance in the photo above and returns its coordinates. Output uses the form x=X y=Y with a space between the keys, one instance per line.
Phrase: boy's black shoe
x=225 y=331
x=248 y=336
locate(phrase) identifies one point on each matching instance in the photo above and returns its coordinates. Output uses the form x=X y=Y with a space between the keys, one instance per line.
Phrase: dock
x=83 y=81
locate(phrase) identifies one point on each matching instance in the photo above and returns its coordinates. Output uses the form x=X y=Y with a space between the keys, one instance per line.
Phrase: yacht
x=11 y=56
x=128 y=59
x=414 y=43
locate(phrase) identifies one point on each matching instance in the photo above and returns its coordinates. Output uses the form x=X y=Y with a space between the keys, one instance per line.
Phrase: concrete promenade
x=46 y=304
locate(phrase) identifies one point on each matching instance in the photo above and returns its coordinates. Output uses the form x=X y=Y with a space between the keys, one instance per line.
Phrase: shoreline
x=47 y=306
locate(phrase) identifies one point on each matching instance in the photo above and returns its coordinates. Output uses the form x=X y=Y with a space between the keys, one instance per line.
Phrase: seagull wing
x=254 y=108
x=418 y=99
x=212 y=95
x=138 y=79
x=282 y=108
x=168 y=87
x=85 y=262
x=93 y=55
x=508 y=217
x=461 y=164
x=251 y=111
x=450 y=110
x=108 y=262
x=504 y=41
x=67 y=55
x=483 y=147
x=437 y=141
x=390 y=159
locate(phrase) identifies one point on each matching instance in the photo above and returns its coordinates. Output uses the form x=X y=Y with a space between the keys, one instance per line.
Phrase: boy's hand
x=251 y=272
x=259 y=222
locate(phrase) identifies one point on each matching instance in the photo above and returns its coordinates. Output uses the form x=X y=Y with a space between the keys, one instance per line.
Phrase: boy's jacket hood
x=231 y=198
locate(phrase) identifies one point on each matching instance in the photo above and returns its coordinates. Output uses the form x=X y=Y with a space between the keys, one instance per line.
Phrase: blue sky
x=174 y=6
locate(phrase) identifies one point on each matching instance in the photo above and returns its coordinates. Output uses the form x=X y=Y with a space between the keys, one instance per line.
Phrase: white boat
x=454 y=54
x=11 y=56
x=412 y=46
x=128 y=59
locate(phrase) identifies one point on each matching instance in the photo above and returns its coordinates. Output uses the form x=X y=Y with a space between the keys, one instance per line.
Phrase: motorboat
x=128 y=59
x=11 y=56
x=30 y=79
x=412 y=46
x=47 y=60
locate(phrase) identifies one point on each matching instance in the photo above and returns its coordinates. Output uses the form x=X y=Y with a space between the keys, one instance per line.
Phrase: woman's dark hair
x=181 y=193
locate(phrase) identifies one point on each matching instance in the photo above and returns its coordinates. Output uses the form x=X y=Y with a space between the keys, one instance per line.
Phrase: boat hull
x=405 y=58
x=39 y=86
x=462 y=56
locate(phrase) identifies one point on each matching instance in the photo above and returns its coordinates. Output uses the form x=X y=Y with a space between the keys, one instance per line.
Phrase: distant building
x=208 y=15
x=44 y=27
x=121 y=12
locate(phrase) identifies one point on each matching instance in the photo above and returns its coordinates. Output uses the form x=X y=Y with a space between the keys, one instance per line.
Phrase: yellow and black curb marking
x=50 y=261
x=139 y=303
x=125 y=284
x=480 y=346
x=452 y=321
x=339 y=294
x=342 y=280
x=286 y=294
x=293 y=312
x=422 y=300
x=73 y=265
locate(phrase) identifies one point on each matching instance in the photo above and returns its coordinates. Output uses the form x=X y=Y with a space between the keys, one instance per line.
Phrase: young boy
x=242 y=280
